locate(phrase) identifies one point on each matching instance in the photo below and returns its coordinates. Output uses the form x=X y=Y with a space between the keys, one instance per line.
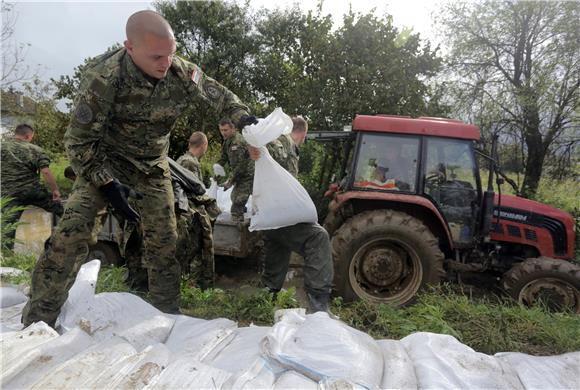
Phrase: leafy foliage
x=7 y=210
x=49 y=122
x=515 y=69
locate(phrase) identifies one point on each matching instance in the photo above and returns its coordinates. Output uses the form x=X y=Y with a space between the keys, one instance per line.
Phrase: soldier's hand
x=247 y=120
x=56 y=195
x=118 y=195
x=254 y=152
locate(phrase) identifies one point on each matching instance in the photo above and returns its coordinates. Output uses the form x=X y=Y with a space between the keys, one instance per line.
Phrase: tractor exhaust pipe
x=489 y=194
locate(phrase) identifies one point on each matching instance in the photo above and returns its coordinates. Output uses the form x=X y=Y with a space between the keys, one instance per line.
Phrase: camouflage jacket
x=21 y=165
x=120 y=118
x=235 y=154
x=285 y=152
x=190 y=162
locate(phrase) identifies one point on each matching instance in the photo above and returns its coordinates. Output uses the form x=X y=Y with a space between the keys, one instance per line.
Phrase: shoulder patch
x=83 y=113
x=212 y=92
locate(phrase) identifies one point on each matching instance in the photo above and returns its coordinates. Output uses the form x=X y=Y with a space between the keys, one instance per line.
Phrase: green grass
x=57 y=168
x=486 y=325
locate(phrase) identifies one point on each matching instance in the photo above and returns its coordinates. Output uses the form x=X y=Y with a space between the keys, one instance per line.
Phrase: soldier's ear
x=128 y=45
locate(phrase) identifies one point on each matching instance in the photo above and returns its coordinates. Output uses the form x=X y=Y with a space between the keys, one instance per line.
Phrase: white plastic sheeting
x=117 y=340
x=279 y=199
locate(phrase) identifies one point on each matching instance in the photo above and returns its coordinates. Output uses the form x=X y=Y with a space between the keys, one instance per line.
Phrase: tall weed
x=7 y=211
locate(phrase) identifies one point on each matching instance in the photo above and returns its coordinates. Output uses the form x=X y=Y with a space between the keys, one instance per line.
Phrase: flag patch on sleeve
x=195 y=75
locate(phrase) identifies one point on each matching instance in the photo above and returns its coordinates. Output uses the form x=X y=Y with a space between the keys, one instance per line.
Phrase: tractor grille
x=514 y=231
x=556 y=228
x=530 y=235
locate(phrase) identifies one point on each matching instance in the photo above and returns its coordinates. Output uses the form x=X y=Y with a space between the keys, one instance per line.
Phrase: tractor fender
x=416 y=202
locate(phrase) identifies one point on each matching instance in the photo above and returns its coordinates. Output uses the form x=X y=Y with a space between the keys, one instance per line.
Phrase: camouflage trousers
x=240 y=194
x=310 y=241
x=38 y=197
x=194 y=250
x=83 y=216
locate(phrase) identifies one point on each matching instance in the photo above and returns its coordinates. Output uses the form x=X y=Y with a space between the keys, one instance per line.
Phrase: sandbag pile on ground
x=117 y=340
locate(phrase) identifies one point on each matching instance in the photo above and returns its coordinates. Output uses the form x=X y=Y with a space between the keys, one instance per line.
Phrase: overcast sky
x=62 y=34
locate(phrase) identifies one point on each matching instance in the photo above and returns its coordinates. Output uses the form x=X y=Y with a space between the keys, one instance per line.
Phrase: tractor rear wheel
x=107 y=252
x=555 y=283
x=385 y=256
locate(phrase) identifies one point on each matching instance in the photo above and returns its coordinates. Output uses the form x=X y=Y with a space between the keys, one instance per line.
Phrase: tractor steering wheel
x=436 y=176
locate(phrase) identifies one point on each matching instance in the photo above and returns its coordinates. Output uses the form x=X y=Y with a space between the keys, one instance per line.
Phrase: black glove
x=117 y=194
x=246 y=120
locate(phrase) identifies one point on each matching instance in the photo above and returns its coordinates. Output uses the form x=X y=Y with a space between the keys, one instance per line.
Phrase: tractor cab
x=428 y=158
x=442 y=169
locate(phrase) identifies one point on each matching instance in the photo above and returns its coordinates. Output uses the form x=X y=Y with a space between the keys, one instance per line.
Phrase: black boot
x=318 y=302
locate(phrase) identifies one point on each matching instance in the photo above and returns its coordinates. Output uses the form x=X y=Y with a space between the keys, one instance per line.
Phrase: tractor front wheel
x=554 y=283
x=385 y=256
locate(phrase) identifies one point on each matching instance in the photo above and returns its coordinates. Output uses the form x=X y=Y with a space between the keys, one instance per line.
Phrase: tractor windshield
x=387 y=162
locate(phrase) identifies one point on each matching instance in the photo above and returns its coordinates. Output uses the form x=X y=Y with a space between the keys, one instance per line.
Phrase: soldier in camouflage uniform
x=310 y=240
x=22 y=163
x=235 y=154
x=117 y=143
x=195 y=250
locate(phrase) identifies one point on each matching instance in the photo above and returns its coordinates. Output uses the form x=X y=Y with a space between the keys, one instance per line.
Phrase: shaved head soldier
x=117 y=143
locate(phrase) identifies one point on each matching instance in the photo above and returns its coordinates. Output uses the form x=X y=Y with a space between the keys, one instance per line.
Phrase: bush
x=7 y=211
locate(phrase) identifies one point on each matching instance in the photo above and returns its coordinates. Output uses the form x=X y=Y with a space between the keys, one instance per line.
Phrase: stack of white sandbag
x=117 y=340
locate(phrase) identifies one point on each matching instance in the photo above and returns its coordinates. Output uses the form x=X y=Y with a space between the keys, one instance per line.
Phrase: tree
x=365 y=66
x=49 y=123
x=14 y=70
x=217 y=36
x=517 y=70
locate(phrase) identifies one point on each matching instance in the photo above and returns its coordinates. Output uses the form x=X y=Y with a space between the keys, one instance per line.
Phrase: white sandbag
x=398 y=371
x=151 y=362
x=18 y=349
x=47 y=357
x=322 y=348
x=268 y=129
x=10 y=296
x=186 y=373
x=213 y=189
x=196 y=338
x=109 y=314
x=293 y=380
x=442 y=362
x=11 y=318
x=224 y=202
x=260 y=375
x=279 y=199
x=81 y=294
x=339 y=384
x=148 y=332
x=218 y=170
x=81 y=371
x=114 y=375
x=545 y=372
x=241 y=351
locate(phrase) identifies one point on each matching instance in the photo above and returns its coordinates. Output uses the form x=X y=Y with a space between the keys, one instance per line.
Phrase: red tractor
x=411 y=210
